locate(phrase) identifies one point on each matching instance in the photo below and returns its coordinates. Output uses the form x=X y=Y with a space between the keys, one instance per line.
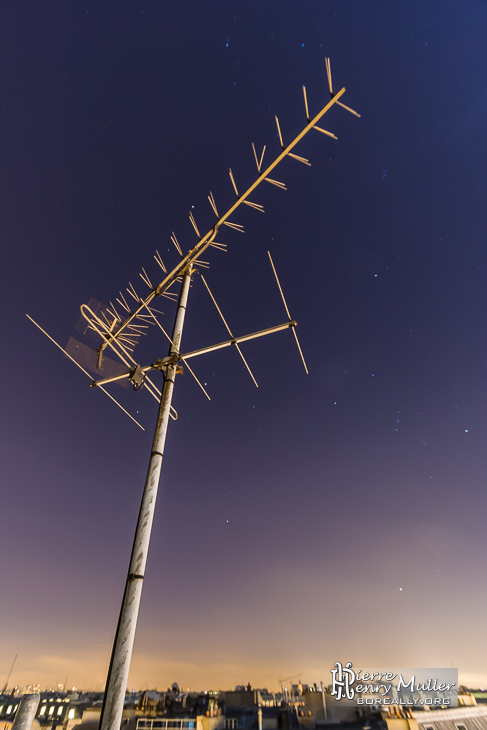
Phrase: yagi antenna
x=119 y=328
x=209 y=238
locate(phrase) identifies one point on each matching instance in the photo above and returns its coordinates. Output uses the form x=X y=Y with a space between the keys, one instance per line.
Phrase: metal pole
x=26 y=713
x=116 y=685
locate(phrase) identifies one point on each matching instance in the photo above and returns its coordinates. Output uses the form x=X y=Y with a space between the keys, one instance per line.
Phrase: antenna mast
x=111 y=714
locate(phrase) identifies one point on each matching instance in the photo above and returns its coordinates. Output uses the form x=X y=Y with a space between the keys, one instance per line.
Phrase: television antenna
x=119 y=328
x=4 y=688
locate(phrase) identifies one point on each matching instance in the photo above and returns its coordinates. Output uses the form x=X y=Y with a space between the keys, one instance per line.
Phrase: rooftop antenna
x=4 y=689
x=120 y=327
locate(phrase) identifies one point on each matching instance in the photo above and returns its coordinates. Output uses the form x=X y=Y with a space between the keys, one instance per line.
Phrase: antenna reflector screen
x=88 y=359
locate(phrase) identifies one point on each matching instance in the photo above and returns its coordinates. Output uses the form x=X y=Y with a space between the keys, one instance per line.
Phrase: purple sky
x=289 y=517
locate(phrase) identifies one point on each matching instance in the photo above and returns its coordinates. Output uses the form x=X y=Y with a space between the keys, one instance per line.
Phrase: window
x=460 y=726
x=59 y=710
x=71 y=714
x=43 y=711
x=51 y=709
x=231 y=723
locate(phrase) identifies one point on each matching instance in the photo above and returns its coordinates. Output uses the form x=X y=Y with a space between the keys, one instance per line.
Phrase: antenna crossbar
x=176 y=356
x=237 y=340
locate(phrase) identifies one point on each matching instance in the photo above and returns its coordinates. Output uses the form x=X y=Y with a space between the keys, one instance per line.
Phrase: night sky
x=338 y=516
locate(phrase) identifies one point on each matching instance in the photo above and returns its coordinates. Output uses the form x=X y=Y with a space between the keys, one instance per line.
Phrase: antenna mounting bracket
x=137 y=377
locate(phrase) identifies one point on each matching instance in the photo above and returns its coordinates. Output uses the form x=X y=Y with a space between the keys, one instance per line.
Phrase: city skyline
x=289 y=684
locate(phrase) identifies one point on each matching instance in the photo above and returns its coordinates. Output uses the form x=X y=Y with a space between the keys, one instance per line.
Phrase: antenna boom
x=208 y=238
